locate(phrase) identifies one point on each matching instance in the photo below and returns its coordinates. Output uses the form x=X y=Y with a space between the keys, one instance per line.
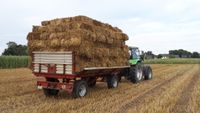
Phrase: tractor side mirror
x=142 y=57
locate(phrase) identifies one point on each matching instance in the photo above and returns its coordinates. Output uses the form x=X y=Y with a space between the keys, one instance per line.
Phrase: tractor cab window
x=134 y=54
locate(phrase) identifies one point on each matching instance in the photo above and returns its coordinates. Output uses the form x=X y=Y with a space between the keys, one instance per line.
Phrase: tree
x=159 y=56
x=181 y=53
x=15 y=49
x=10 y=44
x=195 y=55
x=149 y=55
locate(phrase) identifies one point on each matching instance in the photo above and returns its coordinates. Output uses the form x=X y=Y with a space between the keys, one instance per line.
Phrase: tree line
x=15 y=49
x=180 y=53
x=184 y=54
x=22 y=50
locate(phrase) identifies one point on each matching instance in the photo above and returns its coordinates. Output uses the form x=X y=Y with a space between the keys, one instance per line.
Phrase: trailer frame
x=69 y=79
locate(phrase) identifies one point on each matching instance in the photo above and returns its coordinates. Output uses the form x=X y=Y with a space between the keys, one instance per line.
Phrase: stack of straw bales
x=95 y=44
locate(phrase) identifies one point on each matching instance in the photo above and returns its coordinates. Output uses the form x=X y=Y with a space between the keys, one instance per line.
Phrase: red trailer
x=59 y=70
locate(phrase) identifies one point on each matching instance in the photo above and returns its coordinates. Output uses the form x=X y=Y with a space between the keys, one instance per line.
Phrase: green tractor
x=137 y=71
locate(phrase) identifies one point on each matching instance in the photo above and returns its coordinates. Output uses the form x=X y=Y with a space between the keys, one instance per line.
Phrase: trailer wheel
x=148 y=74
x=136 y=73
x=80 y=88
x=51 y=92
x=112 y=81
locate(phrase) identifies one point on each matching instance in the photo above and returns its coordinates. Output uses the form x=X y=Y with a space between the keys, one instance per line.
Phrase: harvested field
x=174 y=89
x=174 y=61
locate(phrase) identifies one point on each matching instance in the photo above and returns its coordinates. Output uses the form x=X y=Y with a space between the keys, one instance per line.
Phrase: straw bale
x=86 y=26
x=33 y=36
x=45 y=23
x=54 y=43
x=95 y=43
x=44 y=36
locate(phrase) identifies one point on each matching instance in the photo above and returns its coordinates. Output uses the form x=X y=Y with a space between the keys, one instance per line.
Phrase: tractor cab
x=134 y=55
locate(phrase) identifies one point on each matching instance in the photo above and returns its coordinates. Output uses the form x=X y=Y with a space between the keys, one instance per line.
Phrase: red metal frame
x=56 y=85
x=68 y=79
x=65 y=85
x=58 y=76
x=73 y=62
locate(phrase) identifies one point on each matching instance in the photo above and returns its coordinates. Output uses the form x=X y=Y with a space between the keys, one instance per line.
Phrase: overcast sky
x=156 y=25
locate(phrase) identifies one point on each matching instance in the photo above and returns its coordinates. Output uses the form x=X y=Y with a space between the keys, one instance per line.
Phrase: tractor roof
x=132 y=47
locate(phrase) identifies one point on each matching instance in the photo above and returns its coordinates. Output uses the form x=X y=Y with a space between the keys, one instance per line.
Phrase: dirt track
x=174 y=88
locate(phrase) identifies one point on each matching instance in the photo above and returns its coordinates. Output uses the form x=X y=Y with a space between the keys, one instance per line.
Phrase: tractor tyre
x=148 y=74
x=135 y=73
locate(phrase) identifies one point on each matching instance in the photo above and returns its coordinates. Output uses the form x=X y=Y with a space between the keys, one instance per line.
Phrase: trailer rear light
x=39 y=87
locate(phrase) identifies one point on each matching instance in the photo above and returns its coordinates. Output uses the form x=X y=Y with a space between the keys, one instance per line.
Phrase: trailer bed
x=62 y=65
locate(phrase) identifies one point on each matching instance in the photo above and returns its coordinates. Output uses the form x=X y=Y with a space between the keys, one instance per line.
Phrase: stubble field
x=175 y=88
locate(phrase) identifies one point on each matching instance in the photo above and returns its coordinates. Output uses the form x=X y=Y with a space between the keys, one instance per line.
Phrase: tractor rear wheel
x=135 y=73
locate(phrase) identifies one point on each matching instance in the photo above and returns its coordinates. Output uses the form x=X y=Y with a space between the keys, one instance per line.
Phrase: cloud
x=155 y=25
x=161 y=36
x=176 y=7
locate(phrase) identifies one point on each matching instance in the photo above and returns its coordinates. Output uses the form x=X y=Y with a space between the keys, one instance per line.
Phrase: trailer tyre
x=136 y=73
x=80 y=88
x=148 y=74
x=112 y=81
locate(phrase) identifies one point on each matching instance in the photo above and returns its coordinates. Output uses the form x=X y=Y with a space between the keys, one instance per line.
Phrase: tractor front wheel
x=148 y=74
